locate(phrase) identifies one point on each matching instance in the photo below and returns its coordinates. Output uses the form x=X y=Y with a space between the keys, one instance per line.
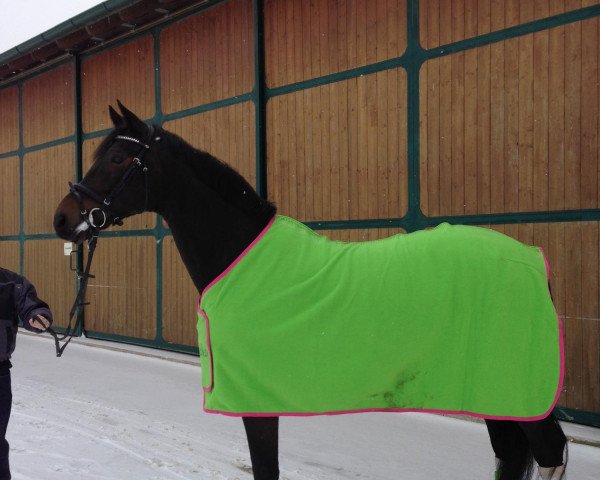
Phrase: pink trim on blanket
x=211 y=284
x=209 y=351
x=379 y=410
x=547 y=264
x=561 y=378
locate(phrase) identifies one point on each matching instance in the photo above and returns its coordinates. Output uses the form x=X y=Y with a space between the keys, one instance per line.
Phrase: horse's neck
x=213 y=213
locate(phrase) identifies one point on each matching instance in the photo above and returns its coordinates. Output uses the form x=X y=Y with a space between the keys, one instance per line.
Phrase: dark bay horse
x=215 y=216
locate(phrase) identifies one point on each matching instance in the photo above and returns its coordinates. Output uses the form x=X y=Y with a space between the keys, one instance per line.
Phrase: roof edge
x=55 y=33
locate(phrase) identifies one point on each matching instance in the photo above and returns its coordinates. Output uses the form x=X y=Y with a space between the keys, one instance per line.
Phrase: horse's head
x=117 y=184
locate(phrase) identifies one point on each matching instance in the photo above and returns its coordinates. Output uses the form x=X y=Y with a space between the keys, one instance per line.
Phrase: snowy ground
x=98 y=414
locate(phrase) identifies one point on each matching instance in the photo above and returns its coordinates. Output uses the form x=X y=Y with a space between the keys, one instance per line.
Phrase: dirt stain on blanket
x=396 y=397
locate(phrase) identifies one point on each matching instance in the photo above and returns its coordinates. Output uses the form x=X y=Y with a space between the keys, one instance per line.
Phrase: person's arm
x=34 y=312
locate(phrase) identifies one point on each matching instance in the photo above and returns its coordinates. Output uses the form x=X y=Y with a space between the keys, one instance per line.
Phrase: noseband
x=80 y=189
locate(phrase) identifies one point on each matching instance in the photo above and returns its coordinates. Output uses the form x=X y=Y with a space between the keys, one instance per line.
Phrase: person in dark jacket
x=18 y=300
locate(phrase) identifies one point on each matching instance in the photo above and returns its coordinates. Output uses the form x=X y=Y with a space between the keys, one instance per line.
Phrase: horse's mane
x=220 y=177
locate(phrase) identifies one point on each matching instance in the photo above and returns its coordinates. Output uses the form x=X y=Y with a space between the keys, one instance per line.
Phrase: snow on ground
x=100 y=414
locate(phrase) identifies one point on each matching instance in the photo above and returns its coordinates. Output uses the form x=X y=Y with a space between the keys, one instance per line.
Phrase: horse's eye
x=118 y=159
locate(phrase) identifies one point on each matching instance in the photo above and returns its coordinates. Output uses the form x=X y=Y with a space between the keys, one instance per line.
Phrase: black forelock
x=106 y=143
x=110 y=138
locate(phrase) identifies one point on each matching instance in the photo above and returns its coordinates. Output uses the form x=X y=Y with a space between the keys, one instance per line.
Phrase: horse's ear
x=132 y=121
x=115 y=117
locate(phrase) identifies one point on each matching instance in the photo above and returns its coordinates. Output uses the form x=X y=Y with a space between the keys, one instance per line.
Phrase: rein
x=79 y=189
x=79 y=301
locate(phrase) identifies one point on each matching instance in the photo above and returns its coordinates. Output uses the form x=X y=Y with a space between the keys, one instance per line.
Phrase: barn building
x=361 y=118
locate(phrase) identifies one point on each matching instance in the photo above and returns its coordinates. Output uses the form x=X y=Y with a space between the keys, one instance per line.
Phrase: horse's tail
x=518 y=467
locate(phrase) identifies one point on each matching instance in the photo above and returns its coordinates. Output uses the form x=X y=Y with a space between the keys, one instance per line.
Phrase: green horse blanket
x=454 y=319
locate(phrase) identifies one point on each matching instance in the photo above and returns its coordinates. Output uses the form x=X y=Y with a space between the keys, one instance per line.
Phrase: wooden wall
x=304 y=40
x=208 y=57
x=500 y=128
x=123 y=295
x=10 y=255
x=42 y=192
x=10 y=204
x=443 y=22
x=48 y=106
x=9 y=119
x=513 y=126
x=125 y=73
x=338 y=151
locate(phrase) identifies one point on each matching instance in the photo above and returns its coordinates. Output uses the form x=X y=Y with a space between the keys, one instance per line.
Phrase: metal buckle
x=91 y=217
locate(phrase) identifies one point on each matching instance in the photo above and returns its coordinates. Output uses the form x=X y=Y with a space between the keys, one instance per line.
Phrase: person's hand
x=40 y=323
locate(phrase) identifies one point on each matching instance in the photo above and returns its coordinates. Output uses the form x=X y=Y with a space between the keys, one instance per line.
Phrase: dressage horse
x=233 y=245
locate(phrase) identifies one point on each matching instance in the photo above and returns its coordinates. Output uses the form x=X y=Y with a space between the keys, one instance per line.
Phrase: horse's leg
x=263 y=440
x=514 y=460
x=548 y=443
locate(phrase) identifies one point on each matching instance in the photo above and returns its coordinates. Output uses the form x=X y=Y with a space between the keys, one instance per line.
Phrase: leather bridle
x=79 y=190
x=106 y=209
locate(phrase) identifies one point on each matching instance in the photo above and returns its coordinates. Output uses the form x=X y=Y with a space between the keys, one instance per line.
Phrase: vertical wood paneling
x=122 y=296
x=9 y=119
x=125 y=73
x=311 y=39
x=45 y=177
x=180 y=299
x=10 y=255
x=573 y=102
x=208 y=57
x=525 y=123
x=514 y=127
x=497 y=126
x=48 y=269
x=138 y=222
x=556 y=119
x=48 y=106
x=590 y=123
x=541 y=130
x=9 y=196
x=511 y=126
x=506 y=13
x=227 y=133
x=339 y=151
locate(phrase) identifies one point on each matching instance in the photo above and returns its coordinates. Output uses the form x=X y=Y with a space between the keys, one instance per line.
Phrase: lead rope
x=79 y=301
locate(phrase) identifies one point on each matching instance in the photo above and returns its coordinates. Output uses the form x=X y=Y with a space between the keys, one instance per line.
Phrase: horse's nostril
x=59 y=221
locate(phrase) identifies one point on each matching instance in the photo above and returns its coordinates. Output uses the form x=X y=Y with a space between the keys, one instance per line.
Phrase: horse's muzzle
x=68 y=223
